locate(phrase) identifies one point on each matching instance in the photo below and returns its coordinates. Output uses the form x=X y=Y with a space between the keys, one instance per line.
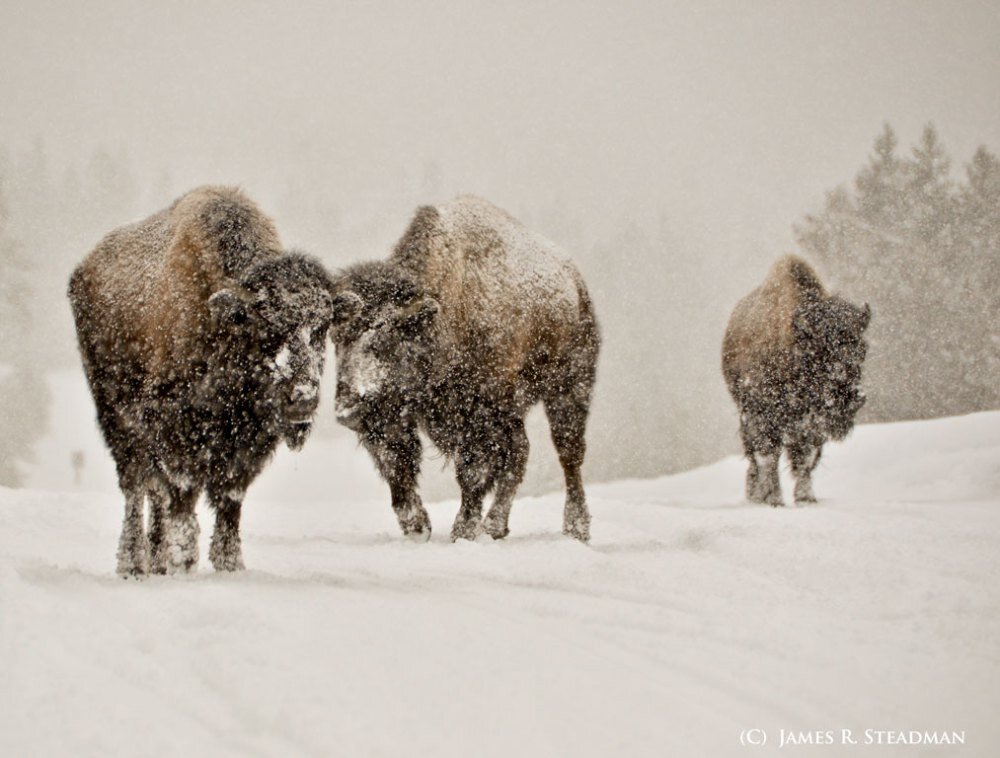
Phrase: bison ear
x=227 y=307
x=866 y=316
x=417 y=319
x=345 y=306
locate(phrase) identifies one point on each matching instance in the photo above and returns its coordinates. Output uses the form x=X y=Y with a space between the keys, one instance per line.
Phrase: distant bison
x=471 y=321
x=792 y=359
x=203 y=343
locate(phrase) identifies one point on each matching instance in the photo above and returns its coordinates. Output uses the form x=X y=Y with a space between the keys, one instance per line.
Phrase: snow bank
x=690 y=618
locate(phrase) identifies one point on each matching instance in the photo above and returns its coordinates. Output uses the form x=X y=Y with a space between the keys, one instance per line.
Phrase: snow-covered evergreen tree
x=925 y=252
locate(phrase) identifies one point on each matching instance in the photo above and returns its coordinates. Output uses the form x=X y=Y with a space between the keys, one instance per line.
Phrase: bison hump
x=760 y=334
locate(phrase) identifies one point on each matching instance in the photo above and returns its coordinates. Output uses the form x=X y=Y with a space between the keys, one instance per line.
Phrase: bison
x=203 y=343
x=471 y=321
x=791 y=358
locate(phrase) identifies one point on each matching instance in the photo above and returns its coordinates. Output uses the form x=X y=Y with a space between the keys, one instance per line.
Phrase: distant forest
x=919 y=245
x=924 y=251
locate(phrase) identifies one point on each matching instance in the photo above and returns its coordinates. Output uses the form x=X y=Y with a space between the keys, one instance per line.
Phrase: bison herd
x=203 y=342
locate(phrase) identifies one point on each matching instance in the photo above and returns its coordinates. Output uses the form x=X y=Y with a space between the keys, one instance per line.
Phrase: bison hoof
x=804 y=493
x=228 y=563
x=226 y=558
x=772 y=498
x=225 y=551
x=133 y=557
x=182 y=544
x=416 y=524
x=578 y=527
x=466 y=529
x=495 y=529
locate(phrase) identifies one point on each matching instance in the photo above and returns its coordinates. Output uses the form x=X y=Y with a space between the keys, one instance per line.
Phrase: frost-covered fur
x=792 y=358
x=471 y=321
x=203 y=343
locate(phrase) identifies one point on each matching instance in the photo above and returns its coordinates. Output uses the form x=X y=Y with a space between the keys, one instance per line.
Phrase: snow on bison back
x=203 y=345
x=471 y=321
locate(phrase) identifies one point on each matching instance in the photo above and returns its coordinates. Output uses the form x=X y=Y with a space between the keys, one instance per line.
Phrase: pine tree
x=924 y=253
x=879 y=185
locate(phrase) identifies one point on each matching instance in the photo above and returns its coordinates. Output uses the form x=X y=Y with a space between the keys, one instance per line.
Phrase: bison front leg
x=763 y=485
x=226 y=550
x=133 y=547
x=410 y=512
x=178 y=549
x=396 y=451
x=159 y=506
x=804 y=458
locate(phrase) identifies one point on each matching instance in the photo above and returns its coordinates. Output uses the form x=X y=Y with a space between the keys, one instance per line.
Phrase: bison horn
x=227 y=307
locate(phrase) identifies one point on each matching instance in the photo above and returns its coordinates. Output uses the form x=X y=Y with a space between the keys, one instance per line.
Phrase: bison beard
x=792 y=359
x=203 y=346
x=470 y=322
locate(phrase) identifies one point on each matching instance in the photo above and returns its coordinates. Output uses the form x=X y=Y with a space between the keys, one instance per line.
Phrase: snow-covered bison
x=792 y=357
x=471 y=321
x=203 y=342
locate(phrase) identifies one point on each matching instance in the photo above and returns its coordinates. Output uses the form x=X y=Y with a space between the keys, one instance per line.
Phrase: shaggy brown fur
x=477 y=319
x=791 y=358
x=180 y=318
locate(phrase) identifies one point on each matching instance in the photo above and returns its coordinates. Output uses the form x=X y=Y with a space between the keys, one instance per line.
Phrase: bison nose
x=302 y=402
x=303 y=393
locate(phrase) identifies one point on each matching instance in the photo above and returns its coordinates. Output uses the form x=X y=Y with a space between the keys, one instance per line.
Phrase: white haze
x=669 y=146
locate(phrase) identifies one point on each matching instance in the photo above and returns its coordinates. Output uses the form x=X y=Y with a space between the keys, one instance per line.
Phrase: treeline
x=924 y=251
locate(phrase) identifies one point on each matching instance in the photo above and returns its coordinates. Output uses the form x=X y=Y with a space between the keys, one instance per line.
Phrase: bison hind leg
x=568 y=422
x=474 y=479
x=804 y=458
x=509 y=478
x=175 y=550
x=763 y=485
x=762 y=446
x=159 y=505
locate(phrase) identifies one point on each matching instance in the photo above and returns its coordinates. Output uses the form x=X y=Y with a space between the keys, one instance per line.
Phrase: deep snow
x=690 y=617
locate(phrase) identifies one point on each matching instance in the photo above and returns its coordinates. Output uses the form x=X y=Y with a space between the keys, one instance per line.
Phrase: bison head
x=829 y=338
x=383 y=326
x=273 y=327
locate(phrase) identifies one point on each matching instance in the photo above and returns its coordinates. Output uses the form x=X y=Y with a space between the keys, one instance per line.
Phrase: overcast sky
x=733 y=116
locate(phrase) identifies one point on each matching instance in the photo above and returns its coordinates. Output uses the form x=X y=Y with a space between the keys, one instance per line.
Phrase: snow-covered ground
x=690 y=618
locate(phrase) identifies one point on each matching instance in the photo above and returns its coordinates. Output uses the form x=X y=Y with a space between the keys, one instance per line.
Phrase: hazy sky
x=734 y=117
